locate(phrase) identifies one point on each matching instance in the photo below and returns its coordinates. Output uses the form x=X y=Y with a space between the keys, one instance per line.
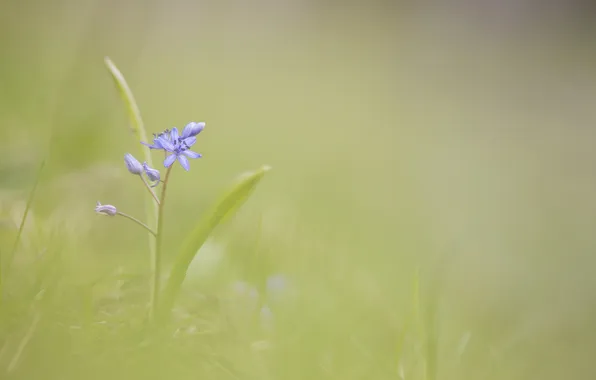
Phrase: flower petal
x=165 y=135
x=165 y=144
x=169 y=160
x=191 y=154
x=199 y=128
x=189 y=141
x=149 y=145
x=174 y=134
x=192 y=129
x=184 y=162
x=187 y=131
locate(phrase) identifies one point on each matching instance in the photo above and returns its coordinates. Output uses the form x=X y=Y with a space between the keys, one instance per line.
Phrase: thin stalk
x=158 y=243
x=137 y=222
x=150 y=189
x=10 y=257
x=140 y=133
x=15 y=359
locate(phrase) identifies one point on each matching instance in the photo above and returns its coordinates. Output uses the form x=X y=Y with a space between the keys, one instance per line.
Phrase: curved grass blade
x=138 y=128
x=227 y=205
x=136 y=122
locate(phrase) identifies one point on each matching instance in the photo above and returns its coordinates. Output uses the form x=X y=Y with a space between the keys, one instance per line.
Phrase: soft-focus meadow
x=430 y=213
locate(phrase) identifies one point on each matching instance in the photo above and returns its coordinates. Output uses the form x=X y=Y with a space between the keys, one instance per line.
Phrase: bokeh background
x=430 y=158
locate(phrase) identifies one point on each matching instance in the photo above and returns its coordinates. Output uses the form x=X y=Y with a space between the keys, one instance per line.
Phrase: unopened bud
x=132 y=164
x=192 y=129
x=152 y=174
x=106 y=209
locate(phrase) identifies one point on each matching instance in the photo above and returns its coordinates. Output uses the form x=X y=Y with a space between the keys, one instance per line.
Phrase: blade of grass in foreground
x=227 y=205
x=8 y=261
x=138 y=128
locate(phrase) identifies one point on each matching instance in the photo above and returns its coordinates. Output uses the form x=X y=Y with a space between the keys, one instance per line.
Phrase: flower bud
x=152 y=174
x=105 y=209
x=192 y=129
x=132 y=164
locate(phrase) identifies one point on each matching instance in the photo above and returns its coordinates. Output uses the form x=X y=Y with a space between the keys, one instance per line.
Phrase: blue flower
x=178 y=146
x=157 y=140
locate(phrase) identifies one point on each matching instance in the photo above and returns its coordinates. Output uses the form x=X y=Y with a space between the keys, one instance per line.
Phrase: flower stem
x=149 y=188
x=158 y=240
x=137 y=222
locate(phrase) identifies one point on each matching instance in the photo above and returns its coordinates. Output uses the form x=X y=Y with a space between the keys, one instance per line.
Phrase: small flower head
x=152 y=174
x=105 y=209
x=132 y=164
x=178 y=145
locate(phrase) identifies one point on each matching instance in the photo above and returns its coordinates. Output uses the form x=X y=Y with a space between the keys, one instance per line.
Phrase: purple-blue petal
x=157 y=143
x=165 y=144
x=149 y=145
x=192 y=129
x=187 y=131
x=191 y=154
x=189 y=141
x=174 y=134
x=184 y=162
x=169 y=160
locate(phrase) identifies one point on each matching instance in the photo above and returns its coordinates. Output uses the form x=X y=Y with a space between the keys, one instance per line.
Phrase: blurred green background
x=450 y=139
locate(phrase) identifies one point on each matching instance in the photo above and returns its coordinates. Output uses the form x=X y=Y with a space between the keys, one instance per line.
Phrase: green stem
x=158 y=240
x=150 y=189
x=137 y=222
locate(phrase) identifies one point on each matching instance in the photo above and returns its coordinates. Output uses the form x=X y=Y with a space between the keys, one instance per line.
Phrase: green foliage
x=382 y=163
x=224 y=208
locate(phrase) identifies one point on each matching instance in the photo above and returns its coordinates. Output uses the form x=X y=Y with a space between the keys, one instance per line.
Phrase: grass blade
x=227 y=205
x=138 y=129
x=23 y=343
x=8 y=261
x=136 y=122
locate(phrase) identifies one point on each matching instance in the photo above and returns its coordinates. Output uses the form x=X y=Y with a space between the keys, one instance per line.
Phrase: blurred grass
x=400 y=140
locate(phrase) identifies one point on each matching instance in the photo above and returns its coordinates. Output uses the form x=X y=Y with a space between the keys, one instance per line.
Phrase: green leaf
x=136 y=122
x=140 y=134
x=225 y=207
